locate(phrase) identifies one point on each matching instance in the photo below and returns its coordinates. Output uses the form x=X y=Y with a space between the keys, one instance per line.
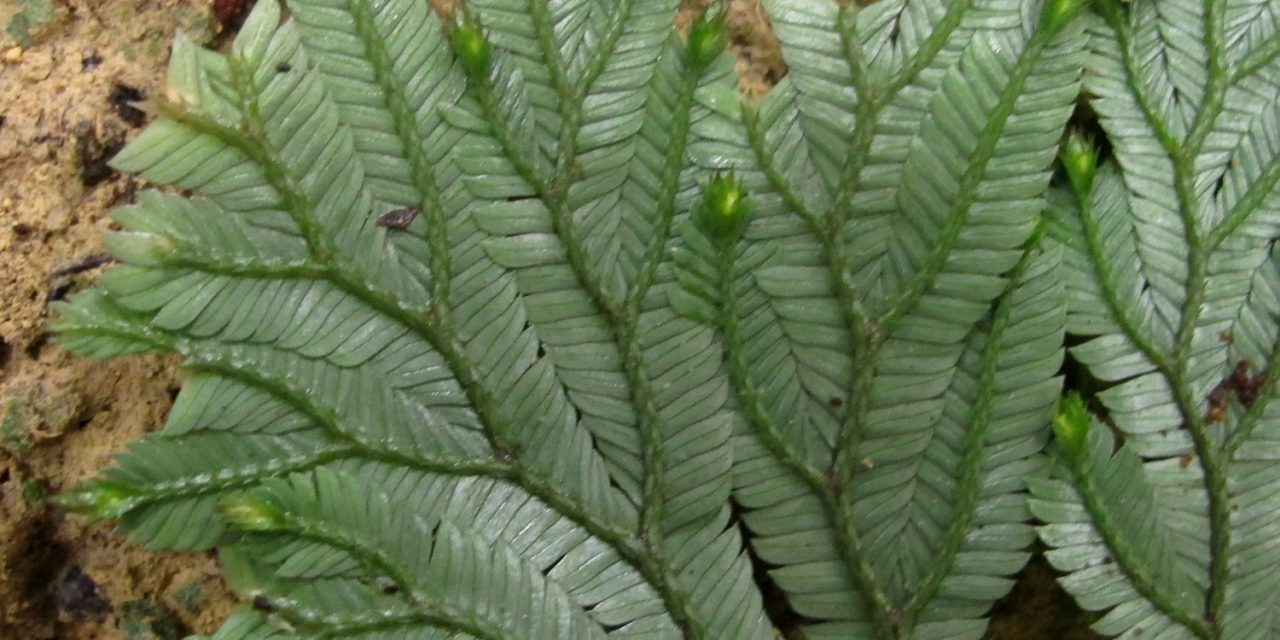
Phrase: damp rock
x=76 y=594
x=32 y=411
x=148 y=620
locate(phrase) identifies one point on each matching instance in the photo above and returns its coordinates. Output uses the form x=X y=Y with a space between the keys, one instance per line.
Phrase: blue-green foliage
x=522 y=323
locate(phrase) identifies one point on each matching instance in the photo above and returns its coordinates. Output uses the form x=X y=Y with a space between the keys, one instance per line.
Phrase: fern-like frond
x=523 y=323
x=884 y=554
x=1172 y=268
x=1130 y=558
x=344 y=560
x=395 y=278
x=814 y=36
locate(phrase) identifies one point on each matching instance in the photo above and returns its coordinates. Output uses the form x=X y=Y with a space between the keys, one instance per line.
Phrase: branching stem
x=429 y=325
x=1183 y=158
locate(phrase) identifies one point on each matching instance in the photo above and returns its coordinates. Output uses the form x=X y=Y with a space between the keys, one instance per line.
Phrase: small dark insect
x=263 y=603
x=835 y=402
x=1252 y=389
x=1226 y=337
x=284 y=67
x=398 y=219
x=1246 y=387
x=1239 y=375
x=230 y=12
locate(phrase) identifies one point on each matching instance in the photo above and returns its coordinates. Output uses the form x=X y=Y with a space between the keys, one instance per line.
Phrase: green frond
x=534 y=52
x=892 y=33
x=523 y=323
x=1250 y=28
x=1172 y=268
x=1106 y=530
x=889 y=553
x=1147 y=170
x=814 y=35
x=340 y=551
x=623 y=196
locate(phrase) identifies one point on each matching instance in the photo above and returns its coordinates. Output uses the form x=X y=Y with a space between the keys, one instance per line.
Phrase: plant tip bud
x=1071 y=425
x=100 y=500
x=1057 y=13
x=470 y=45
x=1080 y=161
x=706 y=38
x=725 y=209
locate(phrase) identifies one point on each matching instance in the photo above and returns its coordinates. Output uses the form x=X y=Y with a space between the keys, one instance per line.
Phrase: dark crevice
x=60 y=291
x=82 y=421
x=1085 y=120
x=93 y=151
x=122 y=99
x=1077 y=378
x=86 y=264
x=776 y=606
x=76 y=594
x=36 y=346
x=90 y=59
x=1037 y=608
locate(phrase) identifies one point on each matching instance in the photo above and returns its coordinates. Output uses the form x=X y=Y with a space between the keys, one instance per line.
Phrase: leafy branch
x=527 y=324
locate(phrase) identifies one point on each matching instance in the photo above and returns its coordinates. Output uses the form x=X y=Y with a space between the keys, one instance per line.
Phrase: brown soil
x=64 y=109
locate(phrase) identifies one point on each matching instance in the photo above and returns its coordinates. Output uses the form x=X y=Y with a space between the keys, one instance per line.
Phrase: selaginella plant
x=525 y=324
x=1165 y=510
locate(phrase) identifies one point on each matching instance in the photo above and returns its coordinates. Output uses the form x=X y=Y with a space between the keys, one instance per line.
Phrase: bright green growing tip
x=470 y=45
x=1071 y=425
x=1057 y=13
x=100 y=500
x=244 y=511
x=706 y=38
x=1080 y=160
x=725 y=209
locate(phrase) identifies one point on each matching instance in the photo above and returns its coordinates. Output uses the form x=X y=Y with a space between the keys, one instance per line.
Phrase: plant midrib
x=621 y=316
